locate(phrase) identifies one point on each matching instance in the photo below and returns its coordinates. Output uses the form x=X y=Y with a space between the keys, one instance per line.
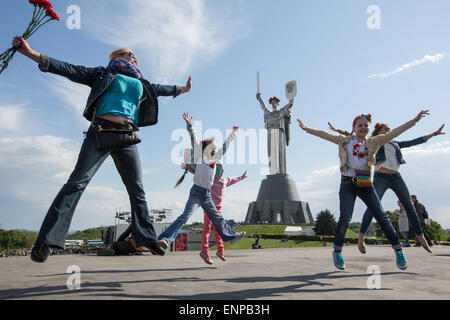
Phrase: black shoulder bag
x=110 y=135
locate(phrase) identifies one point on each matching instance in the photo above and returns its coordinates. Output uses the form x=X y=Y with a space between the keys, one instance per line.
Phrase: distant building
x=74 y=243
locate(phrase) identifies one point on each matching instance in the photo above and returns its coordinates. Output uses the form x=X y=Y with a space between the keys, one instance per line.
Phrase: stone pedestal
x=278 y=202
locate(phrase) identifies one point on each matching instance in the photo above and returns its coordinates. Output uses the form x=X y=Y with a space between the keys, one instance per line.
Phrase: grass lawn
x=277 y=229
x=273 y=243
x=260 y=229
x=264 y=229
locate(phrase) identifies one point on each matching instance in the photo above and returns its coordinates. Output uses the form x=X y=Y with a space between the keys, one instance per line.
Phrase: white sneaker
x=239 y=236
x=163 y=244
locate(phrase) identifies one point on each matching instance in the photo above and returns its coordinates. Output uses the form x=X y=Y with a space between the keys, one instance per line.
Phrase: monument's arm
x=261 y=103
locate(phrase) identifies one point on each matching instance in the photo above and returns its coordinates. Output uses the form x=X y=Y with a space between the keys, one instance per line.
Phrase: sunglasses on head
x=130 y=54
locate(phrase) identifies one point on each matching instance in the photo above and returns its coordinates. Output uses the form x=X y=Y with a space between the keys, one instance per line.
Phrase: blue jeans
x=199 y=197
x=347 y=197
x=405 y=236
x=59 y=216
x=381 y=183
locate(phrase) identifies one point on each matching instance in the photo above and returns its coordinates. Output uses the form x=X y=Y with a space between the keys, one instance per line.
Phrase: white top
x=355 y=157
x=391 y=162
x=403 y=224
x=204 y=174
x=205 y=171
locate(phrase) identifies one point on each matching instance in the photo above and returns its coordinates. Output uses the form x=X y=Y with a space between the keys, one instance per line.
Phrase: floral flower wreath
x=367 y=116
x=274 y=99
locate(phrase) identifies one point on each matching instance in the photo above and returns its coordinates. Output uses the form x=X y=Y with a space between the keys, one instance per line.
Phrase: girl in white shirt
x=205 y=156
x=387 y=176
x=357 y=155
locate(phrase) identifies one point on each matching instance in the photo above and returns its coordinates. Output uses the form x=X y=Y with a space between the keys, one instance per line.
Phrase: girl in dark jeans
x=119 y=96
x=388 y=161
x=357 y=156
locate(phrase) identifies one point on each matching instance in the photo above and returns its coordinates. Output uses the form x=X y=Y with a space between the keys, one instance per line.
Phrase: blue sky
x=343 y=68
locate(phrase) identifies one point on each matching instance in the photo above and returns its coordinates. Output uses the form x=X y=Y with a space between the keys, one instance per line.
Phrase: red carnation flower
x=361 y=155
x=51 y=14
x=41 y=3
x=42 y=14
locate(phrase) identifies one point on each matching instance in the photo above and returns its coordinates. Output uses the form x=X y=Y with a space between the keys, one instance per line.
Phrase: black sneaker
x=40 y=252
x=155 y=249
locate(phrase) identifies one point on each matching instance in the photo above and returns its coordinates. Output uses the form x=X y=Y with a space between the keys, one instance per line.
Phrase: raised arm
x=172 y=90
x=227 y=143
x=385 y=138
x=261 y=102
x=195 y=145
x=233 y=180
x=287 y=109
x=321 y=134
x=79 y=74
x=24 y=48
x=436 y=133
x=343 y=132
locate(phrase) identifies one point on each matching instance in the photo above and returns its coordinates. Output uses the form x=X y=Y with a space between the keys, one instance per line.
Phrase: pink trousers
x=207 y=231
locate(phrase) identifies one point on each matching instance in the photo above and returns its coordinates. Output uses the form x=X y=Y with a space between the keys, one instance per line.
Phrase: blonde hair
x=118 y=52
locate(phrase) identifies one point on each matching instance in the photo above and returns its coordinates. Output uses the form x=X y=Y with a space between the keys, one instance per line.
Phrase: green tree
x=88 y=234
x=394 y=219
x=12 y=239
x=30 y=238
x=434 y=230
x=325 y=223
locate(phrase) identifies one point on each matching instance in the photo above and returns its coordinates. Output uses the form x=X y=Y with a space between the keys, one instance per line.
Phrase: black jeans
x=59 y=216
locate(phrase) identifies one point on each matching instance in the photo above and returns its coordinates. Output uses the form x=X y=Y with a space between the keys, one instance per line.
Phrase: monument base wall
x=278 y=202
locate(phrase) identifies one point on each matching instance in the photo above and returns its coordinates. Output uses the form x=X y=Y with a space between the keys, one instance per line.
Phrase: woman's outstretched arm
x=321 y=134
x=385 y=138
x=24 y=48
x=343 y=132
x=79 y=74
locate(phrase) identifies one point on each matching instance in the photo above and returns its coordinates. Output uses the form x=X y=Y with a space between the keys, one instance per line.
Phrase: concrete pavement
x=287 y=274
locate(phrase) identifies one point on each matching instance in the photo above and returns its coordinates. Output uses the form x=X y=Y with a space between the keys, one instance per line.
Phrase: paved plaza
x=285 y=274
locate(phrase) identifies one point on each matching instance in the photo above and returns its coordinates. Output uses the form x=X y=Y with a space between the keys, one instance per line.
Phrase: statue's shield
x=291 y=90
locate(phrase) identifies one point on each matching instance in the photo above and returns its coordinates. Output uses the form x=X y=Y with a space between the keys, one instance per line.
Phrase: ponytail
x=181 y=179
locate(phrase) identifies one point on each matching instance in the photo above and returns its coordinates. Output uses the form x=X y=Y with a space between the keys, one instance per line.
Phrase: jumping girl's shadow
x=115 y=289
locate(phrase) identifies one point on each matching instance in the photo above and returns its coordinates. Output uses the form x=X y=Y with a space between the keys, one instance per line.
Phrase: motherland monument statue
x=278 y=201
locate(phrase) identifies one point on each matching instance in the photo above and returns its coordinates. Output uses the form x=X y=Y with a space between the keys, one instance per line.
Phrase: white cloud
x=427 y=58
x=11 y=116
x=45 y=153
x=438 y=148
x=70 y=93
x=33 y=169
x=169 y=37
x=442 y=215
x=320 y=189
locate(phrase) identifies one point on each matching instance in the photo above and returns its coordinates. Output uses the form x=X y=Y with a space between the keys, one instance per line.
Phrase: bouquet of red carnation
x=42 y=14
